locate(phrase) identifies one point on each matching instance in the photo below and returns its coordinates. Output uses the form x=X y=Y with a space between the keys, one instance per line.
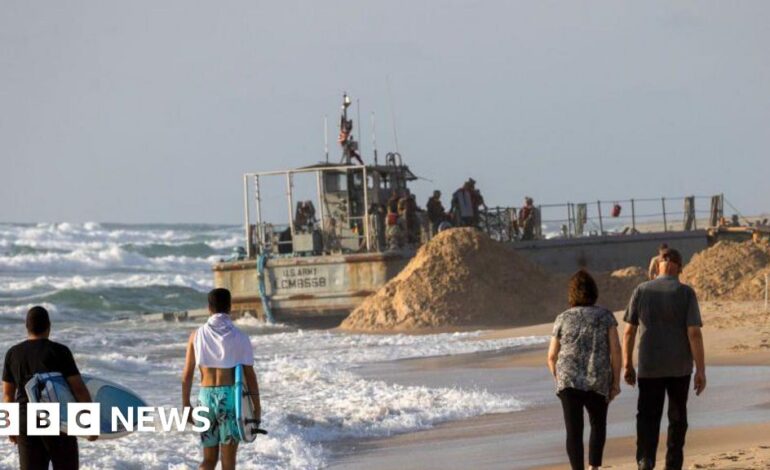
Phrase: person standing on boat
x=477 y=201
x=36 y=355
x=407 y=218
x=666 y=315
x=585 y=357
x=462 y=205
x=216 y=348
x=527 y=219
x=412 y=221
x=436 y=211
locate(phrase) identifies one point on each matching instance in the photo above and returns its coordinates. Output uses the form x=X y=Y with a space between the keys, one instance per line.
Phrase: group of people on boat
x=466 y=209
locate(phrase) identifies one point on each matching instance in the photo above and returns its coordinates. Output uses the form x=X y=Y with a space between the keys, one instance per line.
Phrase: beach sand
x=729 y=423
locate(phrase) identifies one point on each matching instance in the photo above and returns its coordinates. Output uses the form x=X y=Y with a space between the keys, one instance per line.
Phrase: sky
x=150 y=111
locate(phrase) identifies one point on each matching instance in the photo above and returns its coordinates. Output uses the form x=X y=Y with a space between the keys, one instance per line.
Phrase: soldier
x=407 y=215
x=462 y=205
x=391 y=221
x=346 y=140
x=527 y=219
x=436 y=211
x=477 y=201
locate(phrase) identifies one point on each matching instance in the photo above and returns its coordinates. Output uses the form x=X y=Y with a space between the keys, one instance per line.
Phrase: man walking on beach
x=652 y=271
x=38 y=354
x=217 y=348
x=666 y=314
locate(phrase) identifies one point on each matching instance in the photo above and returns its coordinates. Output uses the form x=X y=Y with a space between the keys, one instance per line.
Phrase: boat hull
x=309 y=286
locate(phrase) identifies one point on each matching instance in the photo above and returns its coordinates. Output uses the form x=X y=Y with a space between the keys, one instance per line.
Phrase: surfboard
x=52 y=387
x=248 y=425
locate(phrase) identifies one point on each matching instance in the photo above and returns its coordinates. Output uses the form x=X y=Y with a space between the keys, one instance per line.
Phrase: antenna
x=374 y=139
x=358 y=118
x=392 y=114
x=326 y=138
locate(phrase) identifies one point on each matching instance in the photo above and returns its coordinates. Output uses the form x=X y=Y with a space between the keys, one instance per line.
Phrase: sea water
x=96 y=280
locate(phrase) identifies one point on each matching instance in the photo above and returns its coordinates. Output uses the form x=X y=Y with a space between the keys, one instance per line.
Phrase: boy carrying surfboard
x=218 y=348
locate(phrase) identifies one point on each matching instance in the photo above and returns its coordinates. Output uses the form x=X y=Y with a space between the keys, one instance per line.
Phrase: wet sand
x=728 y=424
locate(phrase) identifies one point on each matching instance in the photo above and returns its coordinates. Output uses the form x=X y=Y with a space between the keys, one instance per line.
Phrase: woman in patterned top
x=584 y=358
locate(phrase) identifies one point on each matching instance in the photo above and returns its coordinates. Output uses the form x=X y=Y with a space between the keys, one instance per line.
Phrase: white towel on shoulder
x=220 y=344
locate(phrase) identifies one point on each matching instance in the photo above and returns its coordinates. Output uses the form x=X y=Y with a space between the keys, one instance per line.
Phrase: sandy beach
x=727 y=429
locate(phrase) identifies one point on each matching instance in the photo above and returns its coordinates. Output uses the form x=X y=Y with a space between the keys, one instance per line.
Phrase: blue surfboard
x=248 y=424
x=52 y=387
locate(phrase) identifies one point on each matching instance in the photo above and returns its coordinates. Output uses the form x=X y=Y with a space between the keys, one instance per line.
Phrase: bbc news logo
x=84 y=419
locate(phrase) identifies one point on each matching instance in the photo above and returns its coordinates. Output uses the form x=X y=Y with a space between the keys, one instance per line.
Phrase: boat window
x=335 y=182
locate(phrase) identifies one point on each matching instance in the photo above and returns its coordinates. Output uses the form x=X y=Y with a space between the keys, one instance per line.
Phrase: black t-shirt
x=34 y=356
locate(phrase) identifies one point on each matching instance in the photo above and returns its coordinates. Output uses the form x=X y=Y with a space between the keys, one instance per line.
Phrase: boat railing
x=606 y=217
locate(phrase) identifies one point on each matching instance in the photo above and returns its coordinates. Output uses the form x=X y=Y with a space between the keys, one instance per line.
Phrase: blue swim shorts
x=221 y=404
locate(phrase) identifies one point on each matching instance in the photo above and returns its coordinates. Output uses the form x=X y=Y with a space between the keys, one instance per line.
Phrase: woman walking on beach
x=585 y=359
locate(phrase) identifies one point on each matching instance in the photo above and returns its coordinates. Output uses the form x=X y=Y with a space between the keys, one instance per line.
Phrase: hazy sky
x=150 y=111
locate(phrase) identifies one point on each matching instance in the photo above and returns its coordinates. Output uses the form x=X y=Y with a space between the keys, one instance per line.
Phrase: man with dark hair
x=665 y=312
x=652 y=271
x=220 y=300
x=38 y=354
x=216 y=348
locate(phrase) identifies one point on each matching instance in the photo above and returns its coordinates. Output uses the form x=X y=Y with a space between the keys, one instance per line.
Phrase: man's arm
x=188 y=374
x=629 y=340
x=695 y=336
x=616 y=358
x=652 y=271
x=79 y=390
x=553 y=354
x=251 y=382
x=9 y=392
x=81 y=394
x=9 y=396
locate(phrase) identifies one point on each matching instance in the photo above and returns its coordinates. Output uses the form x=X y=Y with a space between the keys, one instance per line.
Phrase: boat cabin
x=347 y=215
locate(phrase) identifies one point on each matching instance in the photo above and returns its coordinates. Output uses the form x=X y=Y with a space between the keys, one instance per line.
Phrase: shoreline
x=725 y=428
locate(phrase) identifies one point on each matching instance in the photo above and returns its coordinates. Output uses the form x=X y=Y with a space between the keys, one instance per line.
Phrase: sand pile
x=729 y=271
x=461 y=277
x=615 y=288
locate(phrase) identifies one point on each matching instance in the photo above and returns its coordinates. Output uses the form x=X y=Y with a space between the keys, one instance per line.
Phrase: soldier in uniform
x=477 y=200
x=462 y=205
x=436 y=211
x=527 y=219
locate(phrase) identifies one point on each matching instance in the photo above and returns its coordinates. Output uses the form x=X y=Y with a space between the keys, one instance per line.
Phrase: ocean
x=97 y=280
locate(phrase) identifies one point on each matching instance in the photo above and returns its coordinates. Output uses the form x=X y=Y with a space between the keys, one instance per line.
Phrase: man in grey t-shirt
x=665 y=313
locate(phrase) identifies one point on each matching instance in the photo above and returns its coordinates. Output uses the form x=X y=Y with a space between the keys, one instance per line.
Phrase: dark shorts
x=37 y=452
